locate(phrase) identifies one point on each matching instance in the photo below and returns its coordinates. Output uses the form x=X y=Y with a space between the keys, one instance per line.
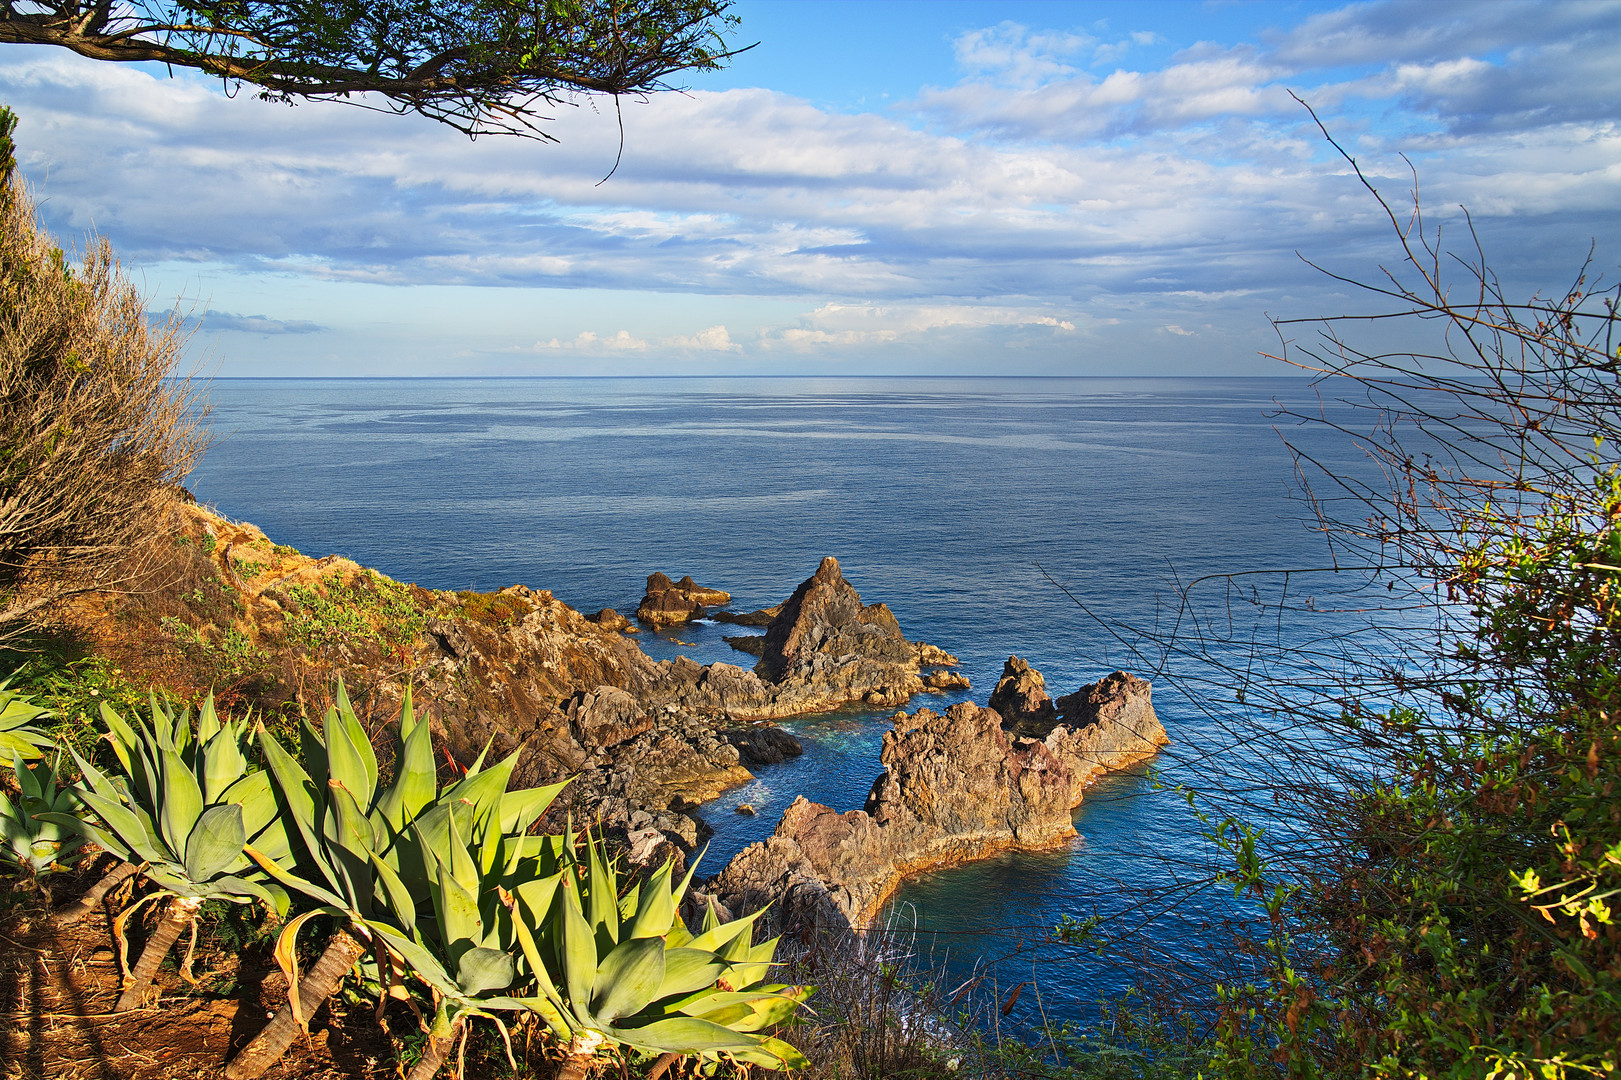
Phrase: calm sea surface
x=968 y=506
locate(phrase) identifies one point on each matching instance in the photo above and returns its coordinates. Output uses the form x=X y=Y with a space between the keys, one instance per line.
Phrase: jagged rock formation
x=215 y=604
x=1021 y=696
x=826 y=646
x=669 y=603
x=955 y=787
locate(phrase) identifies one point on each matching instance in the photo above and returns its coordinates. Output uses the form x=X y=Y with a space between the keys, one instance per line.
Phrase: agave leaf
x=223 y=765
x=690 y=970
x=93 y=832
x=182 y=801
x=395 y=894
x=521 y=809
x=461 y=864
x=347 y=763
x=717 y=935
x=120 y=735
x=655 y=912
x=460 y=927
x=603 y=894
x=415 y=776
x=427 y=966
x=253 y=793
x=298 y=791
x=313 y=750
x=215 y=842
x=350 y=844
x=287 y=879
x=628 y=978
x=270 y=894
x=98 y=781
x=682 y=1035
x=481 y=969
x=772 y=1053
x=208 y=723
x=579 y=945
x=131 y=827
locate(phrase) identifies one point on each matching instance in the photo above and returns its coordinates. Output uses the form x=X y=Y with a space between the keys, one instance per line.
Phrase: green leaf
x=215 y=842
x=655 y=913
x=521 y=809
x=579 y=946
x=628 y=978
x=182 y=801
x=415 y=775
x=481 y=969
x=395 y=895
x=688 y=970
x=223 y=765
x=346 y=761
x=130 y=826
x=682 y=1035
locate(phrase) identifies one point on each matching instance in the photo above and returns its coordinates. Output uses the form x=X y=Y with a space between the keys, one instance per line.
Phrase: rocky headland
x=956 y=786
x=217 y=605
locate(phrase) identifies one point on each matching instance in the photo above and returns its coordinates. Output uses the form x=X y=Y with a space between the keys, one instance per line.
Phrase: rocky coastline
x=646 y=741
x=956 y=786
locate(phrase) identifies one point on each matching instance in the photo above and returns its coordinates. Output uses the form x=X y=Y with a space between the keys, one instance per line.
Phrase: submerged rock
x=670 y=603
x=762 y=617
x=753 y=644
x=955 y=787
x=764 y=745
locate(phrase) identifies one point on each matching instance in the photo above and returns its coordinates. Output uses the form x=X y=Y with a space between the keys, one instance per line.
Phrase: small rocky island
x=958 y=786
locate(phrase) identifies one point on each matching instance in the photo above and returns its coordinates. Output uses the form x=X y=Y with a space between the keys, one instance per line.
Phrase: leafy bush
x=1437 y=884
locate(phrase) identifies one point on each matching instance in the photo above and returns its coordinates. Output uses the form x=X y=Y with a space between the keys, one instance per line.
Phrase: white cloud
x=1038 y=199
x=588 y=341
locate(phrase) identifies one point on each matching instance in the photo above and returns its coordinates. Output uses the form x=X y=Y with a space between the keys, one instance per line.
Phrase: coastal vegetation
x=1432 y=856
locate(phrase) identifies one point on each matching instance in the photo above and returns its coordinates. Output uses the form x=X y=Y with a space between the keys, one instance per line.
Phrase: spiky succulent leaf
x=18 y=736
x=182 y=801
x=350 y=759
x=627 y=979
x=215 y=843
x=683 y=1035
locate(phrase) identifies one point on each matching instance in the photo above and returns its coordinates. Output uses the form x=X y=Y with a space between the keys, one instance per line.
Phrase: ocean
x=1048 y=518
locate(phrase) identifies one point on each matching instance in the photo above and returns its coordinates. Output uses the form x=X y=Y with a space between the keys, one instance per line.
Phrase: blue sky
x=900 y=187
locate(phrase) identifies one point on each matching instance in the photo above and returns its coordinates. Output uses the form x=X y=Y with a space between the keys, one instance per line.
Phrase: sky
x=875 y=187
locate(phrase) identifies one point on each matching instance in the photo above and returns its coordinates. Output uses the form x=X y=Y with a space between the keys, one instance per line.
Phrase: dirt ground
x=57 y=987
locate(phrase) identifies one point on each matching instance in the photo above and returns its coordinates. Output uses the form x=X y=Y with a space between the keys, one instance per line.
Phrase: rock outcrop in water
x=670 y=603
x=825 y=648
x=955 y=787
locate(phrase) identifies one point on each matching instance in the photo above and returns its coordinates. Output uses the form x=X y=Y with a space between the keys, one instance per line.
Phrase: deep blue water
x=963 y=504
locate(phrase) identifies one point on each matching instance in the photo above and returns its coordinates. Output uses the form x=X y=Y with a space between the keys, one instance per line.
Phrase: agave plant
x=464 y=952
x=27 y=840
x=18 y=736
x=615 y=970
x=367 y=851
x=183 y=809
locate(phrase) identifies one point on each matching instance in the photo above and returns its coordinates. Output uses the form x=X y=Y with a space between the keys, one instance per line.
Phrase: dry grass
x=93 y=426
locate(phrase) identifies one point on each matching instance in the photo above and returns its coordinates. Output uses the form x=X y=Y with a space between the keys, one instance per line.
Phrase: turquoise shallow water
x=962 y=504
